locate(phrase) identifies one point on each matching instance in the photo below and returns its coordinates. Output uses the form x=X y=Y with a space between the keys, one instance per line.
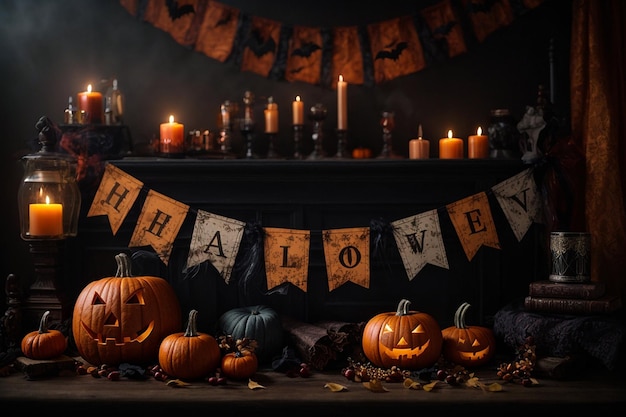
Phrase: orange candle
x=419 y=148
x=271 y=116
x=478 y=145
x=90 y=106
x=45 y=219
x=342 y=104
x=172 y=138
x=450 y=148
x=298 y=111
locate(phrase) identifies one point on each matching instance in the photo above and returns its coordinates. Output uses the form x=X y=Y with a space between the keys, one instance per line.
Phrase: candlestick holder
x=342 y=153
x=388 y=123
x=226 y=130
x=246 y=124
x=297 y=142
x=317 y=114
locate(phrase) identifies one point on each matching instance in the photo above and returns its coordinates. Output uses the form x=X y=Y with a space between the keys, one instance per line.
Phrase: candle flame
x=171 y=118
x=47 y=199
x=340 y=78
x=297 y=98
x=479 y=131
x=450 y=134
x=89 y=88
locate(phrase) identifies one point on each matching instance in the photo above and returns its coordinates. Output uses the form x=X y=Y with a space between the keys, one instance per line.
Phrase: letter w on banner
x=419 y=242
x=215 y=239
x=474 y=225
x=286 y=256
x=115 y=196
x=347 y=255
x=520 y=202
x=159 y=222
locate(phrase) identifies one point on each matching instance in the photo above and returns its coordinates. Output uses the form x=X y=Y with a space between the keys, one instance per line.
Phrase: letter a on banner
x=474 y=225
x=420 y=242
x=347 y=254
x=520 y=202
x=159 y=222
x=215 y=239
x=115 y=196
x=286 y=256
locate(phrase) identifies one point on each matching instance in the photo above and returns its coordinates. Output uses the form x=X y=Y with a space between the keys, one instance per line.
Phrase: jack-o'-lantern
x=123 y=319
x=407 y=339
x=467 y=345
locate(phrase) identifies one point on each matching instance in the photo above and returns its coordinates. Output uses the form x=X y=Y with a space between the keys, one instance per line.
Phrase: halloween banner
x=217 y=239
x=395 y=45
x=347 y=255
x=419 y=242
x=158 y=224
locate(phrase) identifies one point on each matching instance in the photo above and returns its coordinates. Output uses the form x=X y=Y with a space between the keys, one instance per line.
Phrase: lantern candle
x=450 y=148
x=172 y=139
x=342 y=104
x=298 y=111
x=90 y=106
x=419 y=148
x=478 y=145
x=271 y=116
x=45 y=219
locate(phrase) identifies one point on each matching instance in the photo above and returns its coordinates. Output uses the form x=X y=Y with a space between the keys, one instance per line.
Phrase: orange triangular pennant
x=286 y=257
x=347 y=254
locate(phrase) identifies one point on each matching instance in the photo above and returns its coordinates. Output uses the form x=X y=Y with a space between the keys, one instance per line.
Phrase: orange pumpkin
x=44 y=343
x=361 y=153
x=123 y=319
x=239 y=365
x=408 y=339
x=467 y=345
x=189 y=355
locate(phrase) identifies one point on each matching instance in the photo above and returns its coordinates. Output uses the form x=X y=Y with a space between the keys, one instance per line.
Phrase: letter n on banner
x=347 y=255
x=115 y=196
x=286 y=256
x=474 y=225
x=159 y=222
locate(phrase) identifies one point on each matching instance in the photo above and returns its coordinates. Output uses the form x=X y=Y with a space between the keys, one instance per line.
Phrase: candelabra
x=317 y=114
x=297 y=141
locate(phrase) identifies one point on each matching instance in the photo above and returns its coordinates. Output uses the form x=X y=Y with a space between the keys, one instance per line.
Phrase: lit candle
x=172 y=138
x=342 y=104
x=478 y=145
x=298 y=111
x=271 y=116
x=90 y=106
x=45 y=219
x=450 y=148
x=419 y=148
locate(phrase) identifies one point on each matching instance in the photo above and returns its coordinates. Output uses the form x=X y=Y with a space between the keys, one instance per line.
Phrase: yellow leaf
x=472 y=382
x=430 y=386
x=254 y=385
x=495 y=387
x=534 y=381
x=375 y=385
x=176 y=383
x=335 y=387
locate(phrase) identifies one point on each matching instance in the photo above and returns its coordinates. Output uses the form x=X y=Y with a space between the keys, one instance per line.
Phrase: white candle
x=419 y=148
x=342 y=104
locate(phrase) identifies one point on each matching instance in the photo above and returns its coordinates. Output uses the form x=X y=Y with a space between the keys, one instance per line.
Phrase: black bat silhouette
x=226 y=17
x=394 y=53
x=175 y=11
x=306 y=49
x=445 y=29
x=260 y=46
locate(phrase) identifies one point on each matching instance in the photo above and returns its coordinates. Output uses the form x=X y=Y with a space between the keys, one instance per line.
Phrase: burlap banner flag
x=159 y=222
x=473 y=223
x=286 y=256
x=215 y=239
x=419 y=242
x=304 y=61
x=347 y=255
x=520 y=202
x=217 y=31
x=115 y=196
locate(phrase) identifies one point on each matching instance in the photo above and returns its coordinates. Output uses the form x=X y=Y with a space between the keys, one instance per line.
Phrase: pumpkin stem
x=43 y=323
x=459 y=316
x=403 y=307
x=192 y=330
x=123 y=265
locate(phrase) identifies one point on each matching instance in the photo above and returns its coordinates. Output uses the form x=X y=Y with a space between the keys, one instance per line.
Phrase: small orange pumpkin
x=44 y=343
x=467 y=345
x=361 y=153
x=240 y=364
x=189 y=355
x=408 y=339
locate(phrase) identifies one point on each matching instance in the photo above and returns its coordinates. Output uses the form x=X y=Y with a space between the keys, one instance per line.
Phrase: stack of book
x=571 y=298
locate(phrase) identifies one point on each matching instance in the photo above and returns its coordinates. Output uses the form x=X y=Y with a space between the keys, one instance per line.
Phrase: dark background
x=50 y=50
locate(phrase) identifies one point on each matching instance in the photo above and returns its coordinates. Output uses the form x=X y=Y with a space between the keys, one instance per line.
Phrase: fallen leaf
x=429 y=386
x=176 y=383
x=335 y=387
x=254 y=385
x=495 y=387
x=410 y=384
x=375 y=385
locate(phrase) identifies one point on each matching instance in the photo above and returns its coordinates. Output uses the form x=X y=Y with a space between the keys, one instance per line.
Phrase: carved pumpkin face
x=407 y=339
x=124 y=319
x=467 y=345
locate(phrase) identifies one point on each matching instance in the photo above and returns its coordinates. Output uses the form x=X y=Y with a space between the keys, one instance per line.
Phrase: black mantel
x=318 y=195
